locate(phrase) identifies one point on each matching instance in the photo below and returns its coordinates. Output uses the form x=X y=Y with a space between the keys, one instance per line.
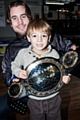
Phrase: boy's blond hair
x=40 y=25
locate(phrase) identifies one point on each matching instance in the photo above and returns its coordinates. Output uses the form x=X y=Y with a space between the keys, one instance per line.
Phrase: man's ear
x=9 y=22
x=28 y=38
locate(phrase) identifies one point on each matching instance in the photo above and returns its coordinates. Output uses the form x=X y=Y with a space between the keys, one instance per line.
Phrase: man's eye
x=23 y=16
x=14 y=18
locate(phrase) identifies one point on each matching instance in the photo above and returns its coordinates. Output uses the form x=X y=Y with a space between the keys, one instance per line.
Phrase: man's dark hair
x=15 y=4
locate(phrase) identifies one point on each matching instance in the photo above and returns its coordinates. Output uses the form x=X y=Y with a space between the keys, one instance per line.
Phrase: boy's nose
x=39 y=39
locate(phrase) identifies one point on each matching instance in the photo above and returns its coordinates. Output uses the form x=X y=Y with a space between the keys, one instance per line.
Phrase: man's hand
x=73 y=47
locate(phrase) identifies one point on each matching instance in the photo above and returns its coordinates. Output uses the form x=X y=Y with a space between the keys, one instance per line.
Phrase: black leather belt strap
x=19 y=105
x=20 y=97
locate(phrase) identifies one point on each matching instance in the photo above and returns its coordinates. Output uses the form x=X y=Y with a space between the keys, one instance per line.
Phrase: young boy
x=39 y=34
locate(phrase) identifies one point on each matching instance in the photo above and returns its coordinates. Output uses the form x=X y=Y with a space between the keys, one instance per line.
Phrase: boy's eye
x=44 y=36
x=33 y=35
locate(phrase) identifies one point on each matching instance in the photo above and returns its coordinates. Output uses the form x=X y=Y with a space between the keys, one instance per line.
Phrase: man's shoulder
x=14 y=43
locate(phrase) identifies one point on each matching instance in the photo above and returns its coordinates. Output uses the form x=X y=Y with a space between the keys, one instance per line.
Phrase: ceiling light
x=55 y=3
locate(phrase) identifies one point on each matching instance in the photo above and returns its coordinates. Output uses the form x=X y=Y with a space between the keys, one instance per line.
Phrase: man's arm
x=6 y=66
x=61 y=44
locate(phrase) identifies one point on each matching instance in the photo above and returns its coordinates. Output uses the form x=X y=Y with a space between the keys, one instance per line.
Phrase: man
x=18 y=17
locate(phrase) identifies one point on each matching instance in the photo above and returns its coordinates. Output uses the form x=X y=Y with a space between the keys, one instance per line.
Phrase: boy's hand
x=23 y=74
x=15 y=80
x=66 y=78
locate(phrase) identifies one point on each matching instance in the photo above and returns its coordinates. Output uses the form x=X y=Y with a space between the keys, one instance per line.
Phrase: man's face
x=19 y=20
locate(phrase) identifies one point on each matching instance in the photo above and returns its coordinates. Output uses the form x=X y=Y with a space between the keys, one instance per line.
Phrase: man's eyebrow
x=23 y=14
x=16 y=16
x=13 y=16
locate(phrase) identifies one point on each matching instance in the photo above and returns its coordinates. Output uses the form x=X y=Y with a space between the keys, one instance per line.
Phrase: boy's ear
x=49 y=38
x=28 y=38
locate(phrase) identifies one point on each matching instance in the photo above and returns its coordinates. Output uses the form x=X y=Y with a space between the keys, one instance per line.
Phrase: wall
x=7 y=30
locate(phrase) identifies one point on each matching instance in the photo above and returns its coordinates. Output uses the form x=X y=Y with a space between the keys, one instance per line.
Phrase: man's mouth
x=21 y=27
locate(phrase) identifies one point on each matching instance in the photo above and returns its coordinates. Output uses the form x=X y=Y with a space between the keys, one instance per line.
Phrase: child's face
x=39 y=40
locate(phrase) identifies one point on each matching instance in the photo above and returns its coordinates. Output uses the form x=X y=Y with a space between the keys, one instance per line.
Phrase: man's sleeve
x=61 y=44
x=6 y=66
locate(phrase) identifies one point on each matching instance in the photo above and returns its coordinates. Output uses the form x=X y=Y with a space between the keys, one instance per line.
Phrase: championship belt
x=44 y=78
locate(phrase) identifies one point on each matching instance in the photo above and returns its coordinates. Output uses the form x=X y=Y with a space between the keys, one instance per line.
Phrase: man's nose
x=20 y=21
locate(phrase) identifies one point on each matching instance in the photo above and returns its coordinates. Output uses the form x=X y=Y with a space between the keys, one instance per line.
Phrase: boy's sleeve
x=17 y=63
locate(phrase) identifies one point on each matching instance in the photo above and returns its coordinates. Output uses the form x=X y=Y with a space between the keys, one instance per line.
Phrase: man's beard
x=21 y=35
